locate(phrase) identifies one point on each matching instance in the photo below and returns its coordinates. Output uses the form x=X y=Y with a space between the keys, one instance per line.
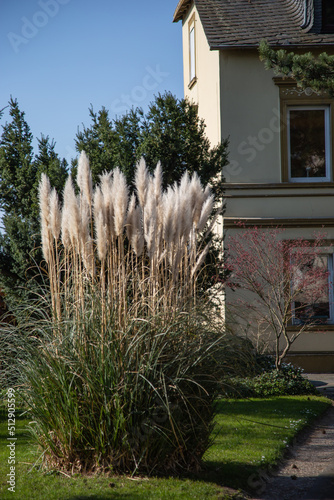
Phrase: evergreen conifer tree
x=316 y=72
x=20 y=172
x=171 y=132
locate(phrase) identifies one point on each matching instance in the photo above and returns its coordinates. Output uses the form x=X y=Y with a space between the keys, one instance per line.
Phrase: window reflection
x=307 y=143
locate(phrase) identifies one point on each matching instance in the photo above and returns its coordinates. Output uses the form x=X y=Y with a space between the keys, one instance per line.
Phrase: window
x=192 y=52
x=312 y=291
x=327 y=16
x=308 y=143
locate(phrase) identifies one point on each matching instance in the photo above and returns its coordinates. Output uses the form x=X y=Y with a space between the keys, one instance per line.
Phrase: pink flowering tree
x=276 y=286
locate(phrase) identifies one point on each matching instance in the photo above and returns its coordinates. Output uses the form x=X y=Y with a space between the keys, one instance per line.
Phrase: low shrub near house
x=285 y=382
x=288 y=381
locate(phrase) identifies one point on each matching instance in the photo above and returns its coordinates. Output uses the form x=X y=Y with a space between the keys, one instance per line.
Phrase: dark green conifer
x=316 y=72
x=20 y=172
x=171 y=132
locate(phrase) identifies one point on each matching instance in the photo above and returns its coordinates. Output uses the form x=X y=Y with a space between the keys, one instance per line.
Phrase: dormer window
x=327 y=16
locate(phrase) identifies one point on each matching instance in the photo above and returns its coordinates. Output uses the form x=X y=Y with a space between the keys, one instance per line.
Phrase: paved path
x=308 y=474
x=324 y=382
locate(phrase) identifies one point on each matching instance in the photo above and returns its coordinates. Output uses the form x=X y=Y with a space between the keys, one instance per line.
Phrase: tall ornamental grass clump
x=123 y=374
x=139 y=251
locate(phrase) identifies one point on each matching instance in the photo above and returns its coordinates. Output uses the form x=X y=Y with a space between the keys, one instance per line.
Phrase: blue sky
x=59 y=56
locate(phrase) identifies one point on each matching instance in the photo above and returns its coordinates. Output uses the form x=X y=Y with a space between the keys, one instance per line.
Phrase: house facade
x=281 y=138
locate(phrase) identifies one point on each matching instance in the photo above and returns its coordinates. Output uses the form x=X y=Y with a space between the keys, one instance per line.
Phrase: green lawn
x=250 y=436
x=253 y=434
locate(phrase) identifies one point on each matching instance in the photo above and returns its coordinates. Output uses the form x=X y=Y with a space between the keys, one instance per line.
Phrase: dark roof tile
x=243 y=23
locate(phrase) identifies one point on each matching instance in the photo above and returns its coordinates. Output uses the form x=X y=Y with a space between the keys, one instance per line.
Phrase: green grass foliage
x=136 y=399
x=250 y=436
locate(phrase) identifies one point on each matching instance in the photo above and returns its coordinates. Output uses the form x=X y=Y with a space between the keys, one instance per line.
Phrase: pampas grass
x=50 y=216
x=84 y=178
x=123 y=375
x=44 y=203
x=141 y=182
x=140 y=246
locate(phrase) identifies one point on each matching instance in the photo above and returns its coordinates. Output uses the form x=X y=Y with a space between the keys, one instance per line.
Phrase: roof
x=243 y=23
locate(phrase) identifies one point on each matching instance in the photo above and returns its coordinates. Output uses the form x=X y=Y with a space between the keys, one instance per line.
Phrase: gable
x=244 y=23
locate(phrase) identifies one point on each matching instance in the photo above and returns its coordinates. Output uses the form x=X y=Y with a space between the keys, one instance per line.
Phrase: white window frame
x=330 y=259
x=328 y=152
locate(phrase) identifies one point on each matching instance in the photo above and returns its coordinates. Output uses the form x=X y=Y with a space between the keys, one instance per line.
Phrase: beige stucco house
x=272 y=179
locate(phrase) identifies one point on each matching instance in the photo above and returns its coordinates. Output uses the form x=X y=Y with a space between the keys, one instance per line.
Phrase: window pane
x=192 y=53
x=310 y=289
x=307 y=143
x=328 y=15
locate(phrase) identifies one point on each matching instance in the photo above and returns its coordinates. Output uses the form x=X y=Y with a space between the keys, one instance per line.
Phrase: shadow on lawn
x=239 y=474
x=251 y=408
x=234 y=474
x=114 y=496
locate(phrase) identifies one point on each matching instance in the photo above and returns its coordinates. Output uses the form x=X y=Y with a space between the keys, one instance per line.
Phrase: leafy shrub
x=270 y=381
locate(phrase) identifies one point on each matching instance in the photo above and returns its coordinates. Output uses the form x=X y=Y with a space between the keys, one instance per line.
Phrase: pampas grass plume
x=157 y=182
x=185 y=215
x=44 y=190
x=107 y=193
x=98 y=204
x=169 y=227
x=200 y=260
x=130 y=217
x=157 y=179
x=150 y=218
x=84 y=177
x=197 y=197
x=205 y=212
x=207 y=192
x=72 y=212
x=65 y=233
x=86 y=242
x=101 y=236
x=141 y=182
x=55 y=214
x=84 y=222
x=120 y=196
x=138 y=237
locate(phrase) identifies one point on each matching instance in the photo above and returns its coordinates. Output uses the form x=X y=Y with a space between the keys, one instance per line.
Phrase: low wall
x=313 y=363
